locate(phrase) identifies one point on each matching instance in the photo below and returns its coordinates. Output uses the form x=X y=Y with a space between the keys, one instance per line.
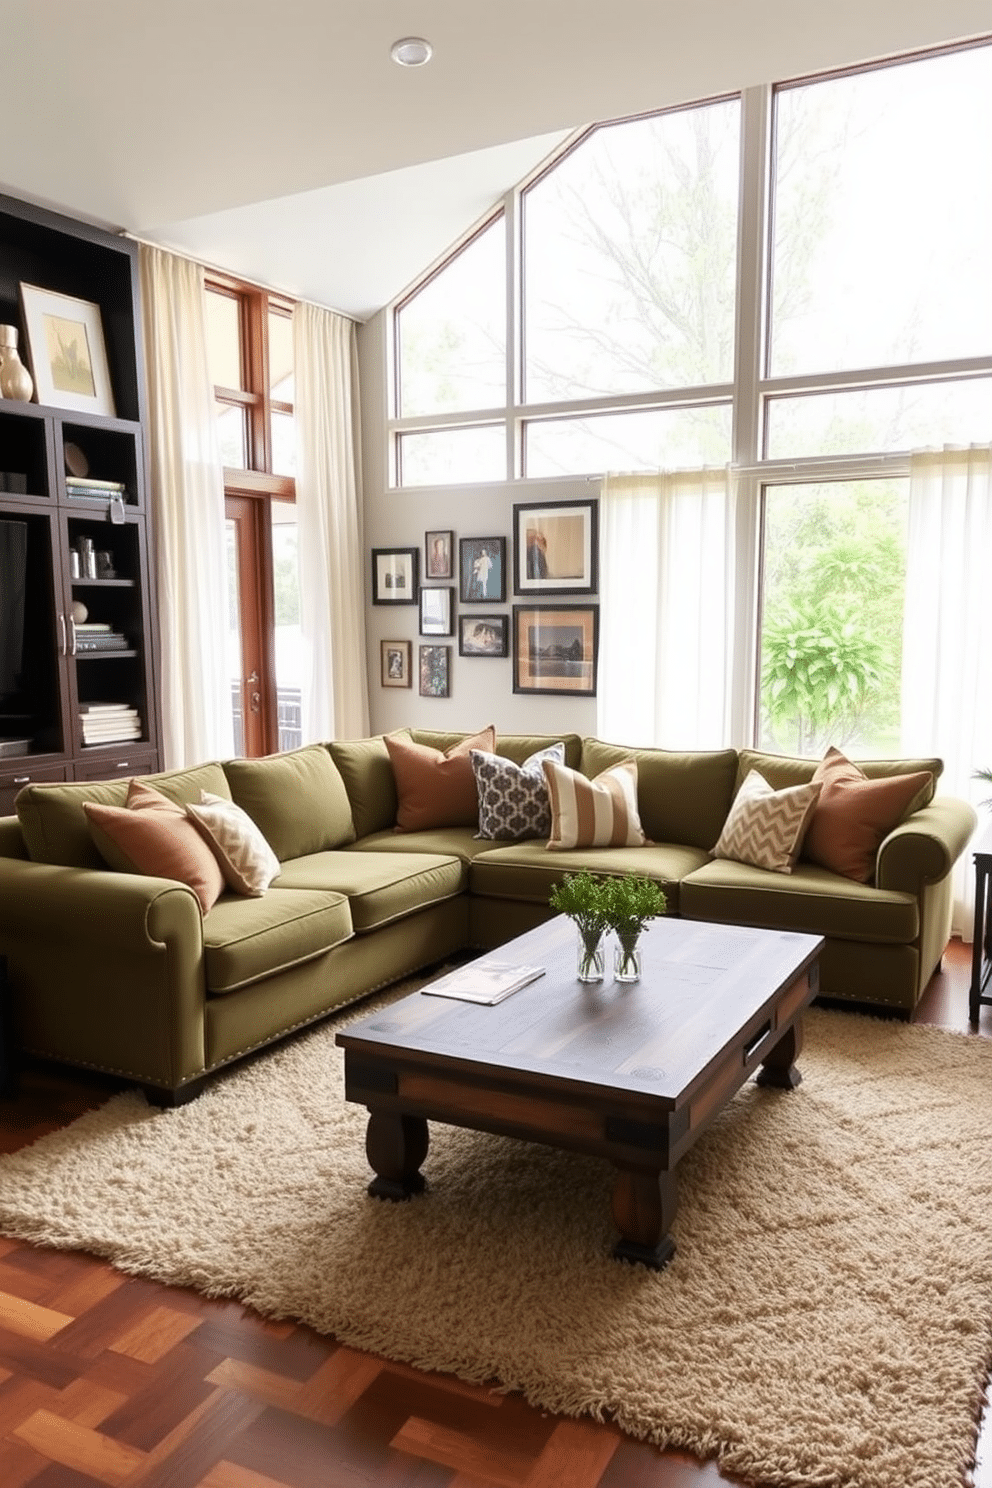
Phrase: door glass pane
x=289 y=642
x=283 y=444
x=232 y=431
x=234 y=658
x=630 y=258
x=451 y=336
x=281 y=356
x=453 y=456
x=883 y=216
x=834 y=569
x=223 y=327
x=657 y=439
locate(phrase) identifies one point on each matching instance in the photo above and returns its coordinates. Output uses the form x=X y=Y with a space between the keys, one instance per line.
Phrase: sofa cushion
x=854 y=814
x=513 y=799
x=245 y=940
x=593 y=813
x=54 y=825
x=245 y=859
x=811 y=899
x=516 y=747
x=787 y=769
x=297 y=800
x=766 y=827
x=525 y=872
x=368 y=777
x=448 y=842
x=152 y=835
x=681 y=797
x=380 y=886
x=435 y=788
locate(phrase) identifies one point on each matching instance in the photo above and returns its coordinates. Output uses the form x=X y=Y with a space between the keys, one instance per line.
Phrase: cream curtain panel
x=667 y=591
x=947 y=634
x=329 y=516
x=188 y=513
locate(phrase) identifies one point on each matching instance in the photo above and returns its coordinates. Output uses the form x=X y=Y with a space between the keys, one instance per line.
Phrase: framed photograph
x=395 y=659
x=435 y=671
x=439 y=551
x=483 y=635
x=436 y=611
x=555 y=648
x=66 y=351
x=556 y=547
x=482 y=570
x=394 y=575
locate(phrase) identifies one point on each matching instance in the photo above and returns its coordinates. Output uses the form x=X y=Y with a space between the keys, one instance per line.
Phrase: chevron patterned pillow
x=766 y=827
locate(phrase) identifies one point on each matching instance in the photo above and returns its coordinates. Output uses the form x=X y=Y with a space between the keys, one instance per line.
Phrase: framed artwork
x=395 y=662
x=482 y=570
x=436 y=611
x=483 y=635
x=555 y=648
x=556 y=547
x=439 y=550
x=394 y=575
x=66 y=350
x=435 y=671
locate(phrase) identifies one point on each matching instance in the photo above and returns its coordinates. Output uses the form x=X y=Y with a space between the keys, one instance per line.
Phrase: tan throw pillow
x=854 y=814
x=245 y=858
x=435 y=789
x=766 y=827
x=593 y=813
x=152 y=835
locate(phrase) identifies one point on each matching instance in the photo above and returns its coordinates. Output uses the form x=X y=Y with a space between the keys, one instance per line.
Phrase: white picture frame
x=67 y=353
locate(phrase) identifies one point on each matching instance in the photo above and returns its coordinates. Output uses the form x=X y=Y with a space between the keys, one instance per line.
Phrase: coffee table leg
x=396 y=1146
x=644 y=1204
x=779 y=1068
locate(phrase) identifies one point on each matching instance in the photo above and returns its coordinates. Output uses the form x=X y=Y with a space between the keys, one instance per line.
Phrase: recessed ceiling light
x=411 y=51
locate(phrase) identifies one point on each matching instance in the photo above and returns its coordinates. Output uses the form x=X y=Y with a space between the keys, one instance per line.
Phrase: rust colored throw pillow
x=435 y=789
x=152 y=835
x=854 y=814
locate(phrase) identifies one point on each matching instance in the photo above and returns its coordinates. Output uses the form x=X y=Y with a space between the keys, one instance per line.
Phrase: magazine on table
x=486 y=982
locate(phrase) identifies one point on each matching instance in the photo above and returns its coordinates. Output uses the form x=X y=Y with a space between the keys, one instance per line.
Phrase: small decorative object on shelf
x=15 y=379
x=580 y=897
x=623 y=905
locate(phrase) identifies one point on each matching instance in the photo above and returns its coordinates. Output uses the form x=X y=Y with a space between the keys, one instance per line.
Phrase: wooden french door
x=253 y=698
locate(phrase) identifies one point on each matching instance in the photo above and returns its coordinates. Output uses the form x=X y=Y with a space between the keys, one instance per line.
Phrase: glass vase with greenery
x=630 y=902
x=580 y=896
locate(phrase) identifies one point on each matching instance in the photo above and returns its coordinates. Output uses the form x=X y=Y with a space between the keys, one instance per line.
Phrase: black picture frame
x=556 y=649
x=434 y=668
x=483 y=635
x=439 y=554
x=437 y=610
x=395 y=576
x=482 y=570
x=556 y=547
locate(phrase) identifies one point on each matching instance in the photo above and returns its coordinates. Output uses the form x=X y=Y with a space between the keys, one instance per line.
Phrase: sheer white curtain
x=667 y=592
x=947 y=634
x=329 y=516
x=188 y=513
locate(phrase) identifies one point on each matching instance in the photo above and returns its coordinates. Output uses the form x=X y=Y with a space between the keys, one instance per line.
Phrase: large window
x=250 y=346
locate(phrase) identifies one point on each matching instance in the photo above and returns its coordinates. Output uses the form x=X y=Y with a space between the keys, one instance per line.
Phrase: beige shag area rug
x=826 y=1320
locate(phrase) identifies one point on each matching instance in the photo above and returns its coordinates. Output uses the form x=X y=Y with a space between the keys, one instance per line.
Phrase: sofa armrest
x=105 y=969
x=923 y=849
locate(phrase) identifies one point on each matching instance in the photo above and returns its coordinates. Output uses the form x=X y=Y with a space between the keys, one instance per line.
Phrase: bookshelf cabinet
x=78 y=636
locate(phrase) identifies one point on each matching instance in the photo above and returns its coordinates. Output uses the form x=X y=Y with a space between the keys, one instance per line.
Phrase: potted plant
x=580 y=896
x=630 y=902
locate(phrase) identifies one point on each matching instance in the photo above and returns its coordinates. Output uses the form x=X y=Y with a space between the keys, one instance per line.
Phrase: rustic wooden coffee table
x=633 y=1073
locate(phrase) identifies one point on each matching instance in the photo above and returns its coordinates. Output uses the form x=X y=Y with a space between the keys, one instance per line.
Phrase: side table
x=981 y=947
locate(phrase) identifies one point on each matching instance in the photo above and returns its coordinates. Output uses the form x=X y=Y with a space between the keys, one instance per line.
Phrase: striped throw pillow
x=766 y=827
x=593 y=813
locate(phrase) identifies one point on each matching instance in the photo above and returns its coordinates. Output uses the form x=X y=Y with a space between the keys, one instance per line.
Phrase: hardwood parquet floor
x=108 y=1379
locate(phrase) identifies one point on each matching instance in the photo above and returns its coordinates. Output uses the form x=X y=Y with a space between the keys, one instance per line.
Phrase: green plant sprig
x=623 y=904
x=580 y=896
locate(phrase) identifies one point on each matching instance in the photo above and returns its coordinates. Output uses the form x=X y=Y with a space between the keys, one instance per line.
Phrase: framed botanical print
x=482 y=570
x=394 y=661
x=436 y=611
x=435 y=671
x=556 y=547
x=394 y=575
x=483 y=635
x=555 y=648
x=67 y=351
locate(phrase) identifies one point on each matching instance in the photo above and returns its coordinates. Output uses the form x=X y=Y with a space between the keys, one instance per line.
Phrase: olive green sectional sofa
x=123 y=973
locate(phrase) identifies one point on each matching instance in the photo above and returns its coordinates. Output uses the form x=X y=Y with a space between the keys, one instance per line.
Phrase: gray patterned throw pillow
x=513 y=799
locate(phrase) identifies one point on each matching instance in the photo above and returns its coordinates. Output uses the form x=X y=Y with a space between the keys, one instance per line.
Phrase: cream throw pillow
x=593 y=813
x=246 y=860
x=766 y=827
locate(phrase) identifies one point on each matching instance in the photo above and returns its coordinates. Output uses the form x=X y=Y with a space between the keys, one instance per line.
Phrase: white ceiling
x=279 y=141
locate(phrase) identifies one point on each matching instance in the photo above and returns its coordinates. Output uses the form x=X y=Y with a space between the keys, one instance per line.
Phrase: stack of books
x=98 y=490
x=109 y=723
x=95 y=635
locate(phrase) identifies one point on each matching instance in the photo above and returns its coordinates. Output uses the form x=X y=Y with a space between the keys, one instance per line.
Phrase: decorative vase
x=627 y=959
x=15 y=379
x=591 y=958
